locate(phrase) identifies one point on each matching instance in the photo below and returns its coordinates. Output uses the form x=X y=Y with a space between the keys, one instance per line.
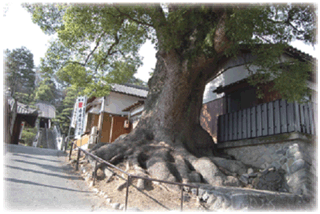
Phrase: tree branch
x=133 y=19
x=95 y=48
x=109 y=52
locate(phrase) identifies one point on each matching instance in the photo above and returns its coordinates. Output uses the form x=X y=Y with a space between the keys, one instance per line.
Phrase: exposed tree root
x=167 y=161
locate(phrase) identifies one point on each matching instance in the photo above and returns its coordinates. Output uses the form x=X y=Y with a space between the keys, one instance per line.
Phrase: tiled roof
x=297 y=52
x=129 y=89
x=22 y=108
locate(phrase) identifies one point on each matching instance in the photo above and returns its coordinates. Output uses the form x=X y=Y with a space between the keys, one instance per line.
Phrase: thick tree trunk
x=174 y=103
x=169 y=142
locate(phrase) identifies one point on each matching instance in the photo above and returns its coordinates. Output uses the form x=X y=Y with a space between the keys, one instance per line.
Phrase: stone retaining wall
x=295 y=153
x=240 y=199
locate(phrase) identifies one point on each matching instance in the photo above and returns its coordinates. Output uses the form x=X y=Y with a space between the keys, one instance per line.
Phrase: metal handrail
x=130 y=176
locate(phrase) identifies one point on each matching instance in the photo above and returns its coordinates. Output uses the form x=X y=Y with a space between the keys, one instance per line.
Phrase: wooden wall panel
x=106 y=126
x=118 y=127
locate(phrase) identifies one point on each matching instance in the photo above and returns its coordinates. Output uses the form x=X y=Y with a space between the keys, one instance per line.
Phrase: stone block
x=276 y=164
x=297 y=165
x=205 y=196
x=298 y=155
x=292 y=150
x=141 y=184
x=290 y=162
x=121 y=207
x=211 y=199
x=239 y=201
x=281 y=152
x=244 y=178
x=283 y=160
x=115 y=206
x=231 y=181
x=218 y=203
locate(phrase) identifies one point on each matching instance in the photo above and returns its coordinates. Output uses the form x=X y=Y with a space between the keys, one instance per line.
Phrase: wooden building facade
x=106 y=118
x=17 y=115
x=233 y=111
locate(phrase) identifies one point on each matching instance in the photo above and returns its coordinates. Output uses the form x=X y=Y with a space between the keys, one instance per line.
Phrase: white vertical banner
x=80 y=116
x=74 y=115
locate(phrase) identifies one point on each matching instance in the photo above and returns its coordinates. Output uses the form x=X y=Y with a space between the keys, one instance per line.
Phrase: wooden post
x=111 y=129
x=101 y=120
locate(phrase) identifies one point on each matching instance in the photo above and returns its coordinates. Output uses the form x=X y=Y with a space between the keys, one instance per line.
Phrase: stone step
x=233 y=198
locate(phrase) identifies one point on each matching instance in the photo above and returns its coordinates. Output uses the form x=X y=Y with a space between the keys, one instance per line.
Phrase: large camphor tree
x=99 y=43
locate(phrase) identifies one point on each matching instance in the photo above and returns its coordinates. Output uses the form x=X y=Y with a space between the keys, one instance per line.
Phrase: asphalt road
x=38 y=179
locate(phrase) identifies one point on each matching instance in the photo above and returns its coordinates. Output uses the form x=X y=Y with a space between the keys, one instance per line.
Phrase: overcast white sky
x=18 y=30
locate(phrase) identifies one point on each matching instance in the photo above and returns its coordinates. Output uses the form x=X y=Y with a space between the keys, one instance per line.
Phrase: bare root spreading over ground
x=155 y=197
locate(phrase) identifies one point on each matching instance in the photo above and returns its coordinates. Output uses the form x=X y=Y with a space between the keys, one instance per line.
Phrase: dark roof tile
x=129 y=89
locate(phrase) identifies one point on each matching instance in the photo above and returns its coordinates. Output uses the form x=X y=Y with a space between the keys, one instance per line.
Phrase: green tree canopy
x=98 y=44
x=19 y=71
x=46 y=91
x=65 y=110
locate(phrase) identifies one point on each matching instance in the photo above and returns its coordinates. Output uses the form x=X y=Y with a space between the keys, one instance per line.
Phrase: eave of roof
x=133 y=90
x=298 y=53
x=134 y=105
x=221 y=89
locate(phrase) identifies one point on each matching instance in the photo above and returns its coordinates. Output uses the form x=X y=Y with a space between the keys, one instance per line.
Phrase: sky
x=21 y=31
x=18 y=31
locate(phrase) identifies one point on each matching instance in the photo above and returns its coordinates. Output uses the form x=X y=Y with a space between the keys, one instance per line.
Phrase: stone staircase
x=43 y=142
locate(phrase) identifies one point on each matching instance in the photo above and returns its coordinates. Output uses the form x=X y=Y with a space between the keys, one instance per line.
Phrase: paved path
x=41 y=180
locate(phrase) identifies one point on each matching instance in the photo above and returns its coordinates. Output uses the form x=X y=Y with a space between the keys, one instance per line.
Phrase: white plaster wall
x=235 y=71
x=116 y=102
x=230 y=76
x=95 y=109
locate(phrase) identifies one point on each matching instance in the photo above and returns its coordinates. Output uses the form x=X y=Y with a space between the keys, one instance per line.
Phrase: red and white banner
x=78 y=117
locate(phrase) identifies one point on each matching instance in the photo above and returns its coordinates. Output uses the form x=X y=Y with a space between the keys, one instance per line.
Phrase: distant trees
x=19 y=71
x=46 y=91
x=65 y=109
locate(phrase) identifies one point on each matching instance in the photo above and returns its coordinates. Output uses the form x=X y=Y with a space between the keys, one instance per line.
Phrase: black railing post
x=181 y=209
x=95 y=173
x=78 y=158
x=127 y=193
x=70 y=151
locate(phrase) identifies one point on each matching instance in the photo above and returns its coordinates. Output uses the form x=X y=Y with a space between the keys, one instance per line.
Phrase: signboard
x=78 y=117
x=74 y=116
